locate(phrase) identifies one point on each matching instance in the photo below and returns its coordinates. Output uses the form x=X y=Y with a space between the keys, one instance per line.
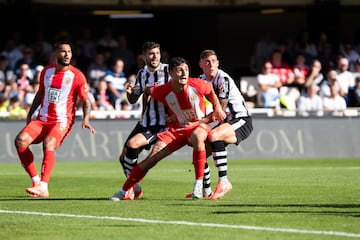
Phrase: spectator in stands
x=328 y=58
x=323 y=41
x=125 y=110
x=347 y=51
x=281 y=68
x=38 y=70
x=42 y=48
x=356 y=73
x=287 y=50
x=310 y=104
x=107 y=41
x=165 y=56
x=335 y=104
x=354 y=94
x=30 y=94
x=102 y=96
x=6 y=74
x=80 y=60
x=16 y=111
x=125 y=53
x=289 y=94
x=92 y=100
x=96 y=70
x=139 y=64
x=306 y=46
x=116 y=80
x=27 y=59
x=4 y=103
x=331 y=79
x=314 y=75
x=345 y=77
x=88 y=44
x=24 y=82
x=12 y=53
x=269 y=84
x=263 y=50
x=300 y=70
x=17 y=35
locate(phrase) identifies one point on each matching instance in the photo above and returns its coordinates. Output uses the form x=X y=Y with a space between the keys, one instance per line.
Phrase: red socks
x=136 y=175
x=48 y=165
x=27 y=160
x=199 y=160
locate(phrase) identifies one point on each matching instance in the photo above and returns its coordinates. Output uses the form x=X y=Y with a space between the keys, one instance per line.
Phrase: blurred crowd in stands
x=302 y=75
x=308 y=78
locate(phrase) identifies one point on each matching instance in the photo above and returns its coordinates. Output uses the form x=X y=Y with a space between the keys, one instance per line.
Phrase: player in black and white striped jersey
x=236 y=127
x=153 y=118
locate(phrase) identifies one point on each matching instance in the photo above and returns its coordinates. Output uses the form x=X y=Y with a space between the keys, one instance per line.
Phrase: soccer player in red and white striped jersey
x=184 y=98
x=61 y=84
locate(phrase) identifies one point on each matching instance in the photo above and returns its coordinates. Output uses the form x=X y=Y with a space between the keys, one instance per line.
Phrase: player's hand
x=87 y=125
x=130 y=88
x=218 y=114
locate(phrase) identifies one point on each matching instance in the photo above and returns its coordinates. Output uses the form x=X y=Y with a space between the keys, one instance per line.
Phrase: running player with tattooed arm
x=184 y=98
x=61 y=84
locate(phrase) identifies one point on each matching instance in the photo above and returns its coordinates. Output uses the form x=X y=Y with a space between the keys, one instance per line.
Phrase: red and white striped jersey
x=188 y=105
x=61 y=88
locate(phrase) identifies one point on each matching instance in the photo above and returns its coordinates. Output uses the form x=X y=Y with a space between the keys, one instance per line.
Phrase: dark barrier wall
x=271 y=138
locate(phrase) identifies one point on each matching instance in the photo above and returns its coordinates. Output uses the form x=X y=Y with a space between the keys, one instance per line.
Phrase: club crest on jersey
x=193 y=97
x=67 y=80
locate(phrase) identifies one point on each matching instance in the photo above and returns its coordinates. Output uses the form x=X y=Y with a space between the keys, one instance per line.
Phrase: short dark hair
x=57 y=44
x=206 y=53
x=149 y=45
x=176 y=61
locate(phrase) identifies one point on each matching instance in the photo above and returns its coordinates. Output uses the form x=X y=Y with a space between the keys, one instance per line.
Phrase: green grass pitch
x=292 y=199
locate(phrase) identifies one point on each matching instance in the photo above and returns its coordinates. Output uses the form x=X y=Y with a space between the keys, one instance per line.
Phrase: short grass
x=271 y=199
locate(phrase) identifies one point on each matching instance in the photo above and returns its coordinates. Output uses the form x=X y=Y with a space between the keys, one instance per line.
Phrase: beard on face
x=61 y=62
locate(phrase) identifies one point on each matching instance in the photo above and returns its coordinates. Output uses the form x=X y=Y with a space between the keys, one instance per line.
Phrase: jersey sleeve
x=203 y=86
x=157 y=92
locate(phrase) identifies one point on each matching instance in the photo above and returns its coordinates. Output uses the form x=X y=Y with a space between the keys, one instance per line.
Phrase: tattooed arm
x=86 y=107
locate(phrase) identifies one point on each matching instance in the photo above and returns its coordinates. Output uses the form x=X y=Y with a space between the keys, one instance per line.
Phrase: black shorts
x=242 y=127
x=150 y=133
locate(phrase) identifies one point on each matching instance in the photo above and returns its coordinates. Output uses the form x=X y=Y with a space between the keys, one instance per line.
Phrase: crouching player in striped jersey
x=236 y=127
x=184 y=98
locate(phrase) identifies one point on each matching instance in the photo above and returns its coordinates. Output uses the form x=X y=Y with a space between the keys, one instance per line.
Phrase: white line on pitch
x=288 y=230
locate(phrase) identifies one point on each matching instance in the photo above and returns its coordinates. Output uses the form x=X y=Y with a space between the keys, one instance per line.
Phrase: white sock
x=223 y=179
x=199 y=181
x=35 y=178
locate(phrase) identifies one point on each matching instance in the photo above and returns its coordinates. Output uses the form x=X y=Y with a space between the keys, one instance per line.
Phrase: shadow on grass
x=294 y=209
x=27 y=198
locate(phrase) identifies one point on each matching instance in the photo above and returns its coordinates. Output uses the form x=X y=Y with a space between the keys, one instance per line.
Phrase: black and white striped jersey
x=225 y=88
x=154 y=111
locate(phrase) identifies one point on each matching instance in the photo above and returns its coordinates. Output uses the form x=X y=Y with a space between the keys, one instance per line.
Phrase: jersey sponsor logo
x=189 y=114
x=54 y=95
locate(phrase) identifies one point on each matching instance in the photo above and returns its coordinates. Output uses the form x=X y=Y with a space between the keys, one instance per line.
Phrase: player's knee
x=50 y=143
x=21 y=140
x=133 y=143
